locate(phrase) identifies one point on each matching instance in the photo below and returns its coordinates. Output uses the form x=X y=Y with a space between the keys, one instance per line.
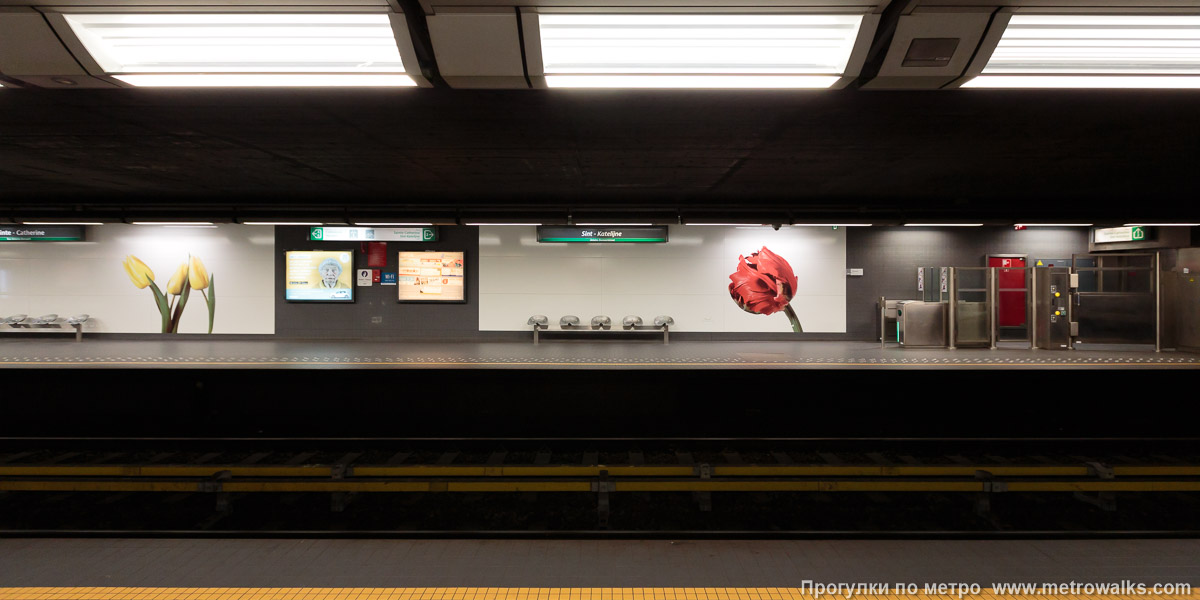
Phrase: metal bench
x=50 y=321
x=602 y=324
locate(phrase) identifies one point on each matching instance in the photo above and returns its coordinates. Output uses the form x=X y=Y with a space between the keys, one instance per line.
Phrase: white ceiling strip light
x=1095 y=51
x=269 y=49
x=696 y=51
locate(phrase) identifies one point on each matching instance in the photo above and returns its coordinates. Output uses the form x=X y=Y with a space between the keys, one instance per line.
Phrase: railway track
x=601 y=473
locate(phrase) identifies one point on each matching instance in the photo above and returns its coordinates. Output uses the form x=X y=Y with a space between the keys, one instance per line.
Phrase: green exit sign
x=373 y=234
x=1110 y=235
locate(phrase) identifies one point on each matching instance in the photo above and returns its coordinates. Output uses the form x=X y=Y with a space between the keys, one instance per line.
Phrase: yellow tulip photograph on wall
x=190 y=275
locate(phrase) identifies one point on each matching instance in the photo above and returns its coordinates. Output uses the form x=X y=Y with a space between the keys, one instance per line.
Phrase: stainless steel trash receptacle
x=921 y=324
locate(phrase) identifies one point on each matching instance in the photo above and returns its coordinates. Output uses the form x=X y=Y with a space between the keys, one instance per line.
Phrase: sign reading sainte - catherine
x=373 y=234
x=645 y=235
x=41 y=233
x=1119 y=234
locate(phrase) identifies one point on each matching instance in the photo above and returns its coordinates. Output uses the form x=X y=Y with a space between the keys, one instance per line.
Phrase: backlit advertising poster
x=431 y=277
x=320 y=276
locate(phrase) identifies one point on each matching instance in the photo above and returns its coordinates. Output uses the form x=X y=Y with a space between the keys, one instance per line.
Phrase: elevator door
x=1011 y=305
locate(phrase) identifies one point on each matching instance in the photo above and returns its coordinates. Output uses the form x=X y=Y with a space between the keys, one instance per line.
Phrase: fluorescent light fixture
x=1161 y=225
x=726 y=225
x=173 y=223
x=243 y=49
x=60 y=223
x=696 y=51
x=267 y=80
x=505 y=224
x=1095 y=51
x=1052 y=225
x=693 y=81
x=190 y=226
x=393 y=224
x=943 y=224
x=613 y=224
x=1084 y=81
x=280 y=223
x=831 y=224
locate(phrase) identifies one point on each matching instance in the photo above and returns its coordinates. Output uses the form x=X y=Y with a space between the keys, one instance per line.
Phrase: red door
x=1011 y=309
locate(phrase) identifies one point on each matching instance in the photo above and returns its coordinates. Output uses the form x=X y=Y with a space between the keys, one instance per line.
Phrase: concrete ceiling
x=983 y=153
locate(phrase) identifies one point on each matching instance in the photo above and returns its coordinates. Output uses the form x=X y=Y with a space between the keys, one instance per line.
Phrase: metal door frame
x=1155 y=270
x=1027 y=290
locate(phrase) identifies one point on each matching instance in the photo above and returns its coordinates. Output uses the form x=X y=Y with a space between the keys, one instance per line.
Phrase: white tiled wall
x=69 y=278
x=687 y=278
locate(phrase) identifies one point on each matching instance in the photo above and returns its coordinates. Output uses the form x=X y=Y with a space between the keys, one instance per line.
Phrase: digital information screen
x=320 y=276
x=432 y=277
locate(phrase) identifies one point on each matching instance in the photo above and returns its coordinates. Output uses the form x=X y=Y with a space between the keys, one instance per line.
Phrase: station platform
x=259 y=354
x=374 y=569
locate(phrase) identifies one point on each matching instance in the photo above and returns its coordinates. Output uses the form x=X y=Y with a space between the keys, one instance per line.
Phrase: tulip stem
x=791 y=315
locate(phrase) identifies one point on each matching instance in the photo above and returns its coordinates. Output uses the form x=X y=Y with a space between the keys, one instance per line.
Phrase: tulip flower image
x=200 y=279
x=191 y=275
x=178 y=280
x=142 y=277
x=764 y=284
x=139 y=273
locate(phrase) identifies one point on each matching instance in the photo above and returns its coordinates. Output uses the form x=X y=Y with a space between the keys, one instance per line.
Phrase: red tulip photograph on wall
x=764 y=284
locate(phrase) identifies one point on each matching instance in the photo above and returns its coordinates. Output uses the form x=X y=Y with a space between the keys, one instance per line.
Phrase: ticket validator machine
x=1053 y=327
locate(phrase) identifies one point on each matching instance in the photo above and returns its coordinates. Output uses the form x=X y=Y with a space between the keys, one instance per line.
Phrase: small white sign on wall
x=364 y=277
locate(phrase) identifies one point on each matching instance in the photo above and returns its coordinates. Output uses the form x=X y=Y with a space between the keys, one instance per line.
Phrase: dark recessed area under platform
x=564 y=354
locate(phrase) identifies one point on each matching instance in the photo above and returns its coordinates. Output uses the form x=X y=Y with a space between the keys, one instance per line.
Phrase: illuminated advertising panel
x=432 y=277
x=319 y=276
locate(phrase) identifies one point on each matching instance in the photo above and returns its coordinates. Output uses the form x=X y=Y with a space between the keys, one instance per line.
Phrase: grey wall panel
x=396 y=321
x=889 y=257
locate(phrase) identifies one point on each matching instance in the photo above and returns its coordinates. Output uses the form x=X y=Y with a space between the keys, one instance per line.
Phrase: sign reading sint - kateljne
x=644 y=235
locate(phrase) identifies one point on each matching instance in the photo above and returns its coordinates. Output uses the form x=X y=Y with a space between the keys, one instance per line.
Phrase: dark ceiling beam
x=418 y=30
x=882 y=41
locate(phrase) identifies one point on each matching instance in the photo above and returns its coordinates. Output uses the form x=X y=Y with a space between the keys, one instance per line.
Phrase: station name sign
x=373 y=234
x=641 y=235
x=41 y=233
x=1110 y=235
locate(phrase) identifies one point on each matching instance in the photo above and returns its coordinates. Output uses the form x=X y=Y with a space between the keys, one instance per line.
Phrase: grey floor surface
x=102 y=353
x=585 y=563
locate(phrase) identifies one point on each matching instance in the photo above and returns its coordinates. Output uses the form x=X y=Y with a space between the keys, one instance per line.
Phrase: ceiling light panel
x=1098 y=45
x=1085 y=81
x=650 y=50
x=212 y=44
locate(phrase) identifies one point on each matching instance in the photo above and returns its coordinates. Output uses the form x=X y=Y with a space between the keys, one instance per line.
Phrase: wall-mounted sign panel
x=644 y=235
x=1110 y=235
x=319 y=276
x=432 y=277
x=41 y=233
x=373 y=234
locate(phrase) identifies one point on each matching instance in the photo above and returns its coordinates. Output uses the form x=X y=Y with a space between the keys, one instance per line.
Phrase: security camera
x=776 y=226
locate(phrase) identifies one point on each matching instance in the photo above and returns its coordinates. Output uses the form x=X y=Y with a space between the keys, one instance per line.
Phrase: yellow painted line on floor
x=565 y=593
x=161 y=471
x=1104 y=486
x=1156 y=471
x=901 y=471
x=798 y=486
x=1195 y=365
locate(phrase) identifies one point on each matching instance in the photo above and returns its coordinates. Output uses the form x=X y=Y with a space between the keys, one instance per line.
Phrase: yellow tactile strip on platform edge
x=151 y=593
